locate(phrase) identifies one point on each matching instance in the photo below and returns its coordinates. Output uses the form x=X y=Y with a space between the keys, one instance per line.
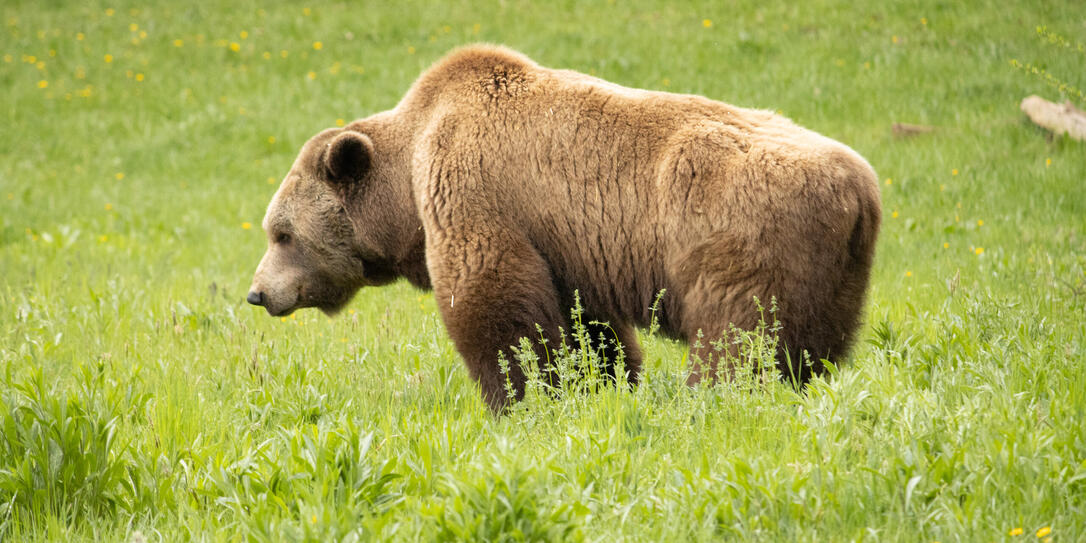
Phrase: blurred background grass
x=142 y=142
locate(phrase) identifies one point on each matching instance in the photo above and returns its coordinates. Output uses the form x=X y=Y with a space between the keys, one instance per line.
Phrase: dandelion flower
x=311 y=75
x=178 y=43
x=1044 y=531
x=119 y=176
x=79 y=36
x=1048 y=162
x=8 y=58
x=924 y=21
x=306 y=11
x=139 y=77
x=475 y=28
x=894 y=214
x=318 y=45
x=235 y=46
x=979 y=251
x=1015 y=531
x=271 y=180
x=411 y=49
x=980 y=222
x=954 y=171
x=894 y=39
x=908 y=274
x=243 y=34
x=103 y=238
x=43 y=84
x=133 y=27
x=889 y=181
x=110 y=12
x=267 y=55
x=108 y=58
x=246 y=225
x=707 y=23
x=109 y=207
x=340 y=122
x=283 y=53
x=946 y=245
x=271 y=139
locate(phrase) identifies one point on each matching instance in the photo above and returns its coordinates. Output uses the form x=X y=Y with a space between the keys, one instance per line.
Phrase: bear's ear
x=348 y=157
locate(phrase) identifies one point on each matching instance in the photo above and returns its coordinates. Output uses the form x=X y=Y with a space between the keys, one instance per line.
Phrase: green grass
x=139 y=393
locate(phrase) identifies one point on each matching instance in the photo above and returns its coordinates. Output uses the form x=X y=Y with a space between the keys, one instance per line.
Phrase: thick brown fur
x=507 y=187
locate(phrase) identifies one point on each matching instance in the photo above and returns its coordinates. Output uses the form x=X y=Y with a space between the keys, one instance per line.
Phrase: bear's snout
x=256 y=298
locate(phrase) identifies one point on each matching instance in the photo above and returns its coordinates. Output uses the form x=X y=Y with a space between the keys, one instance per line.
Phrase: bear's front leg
x=493 y=289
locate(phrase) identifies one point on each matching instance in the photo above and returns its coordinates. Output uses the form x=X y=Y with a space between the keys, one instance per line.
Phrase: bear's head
x=318 y=253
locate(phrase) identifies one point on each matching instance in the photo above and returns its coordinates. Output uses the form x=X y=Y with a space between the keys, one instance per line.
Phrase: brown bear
x=507 y=187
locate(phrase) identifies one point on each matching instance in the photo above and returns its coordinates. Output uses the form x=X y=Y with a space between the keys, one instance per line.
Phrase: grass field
x=141 y=398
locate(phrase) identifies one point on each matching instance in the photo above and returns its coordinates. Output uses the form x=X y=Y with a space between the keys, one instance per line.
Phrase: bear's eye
x=282 y=238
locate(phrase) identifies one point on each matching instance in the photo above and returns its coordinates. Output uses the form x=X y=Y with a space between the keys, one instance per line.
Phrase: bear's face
x=315 y=258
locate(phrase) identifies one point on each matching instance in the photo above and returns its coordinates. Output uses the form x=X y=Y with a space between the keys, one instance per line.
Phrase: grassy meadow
x=141 y=399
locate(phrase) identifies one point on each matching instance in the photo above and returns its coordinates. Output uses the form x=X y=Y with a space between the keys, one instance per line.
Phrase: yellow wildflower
x=306 y=11
x=109 y=207
x=271 y=139
x=119 y=175
x=139 y=77
x=108 y=58
x=235 y=46
x=339 y=122
x=908 y=274
x=243 y=34
x=1015 y=531
x=318 y=45
x=283 y=53
x=894 y=39
x=110 y=12
x=79 y=36
x=1048 y=162
x=1044 y=531
x=889 y=181
x=246 y=225
x=271 y=180
x=707 y=23
x=979 y=251
x=178 y=42
x=133 y=27
x=924 y=21
x=43 y=84
x=410 y=49
x=266 y=55
x=980 y=222
x=311 y=75
x=946 y=245
x=894 y=214
x=954 y=171
x=103 y=238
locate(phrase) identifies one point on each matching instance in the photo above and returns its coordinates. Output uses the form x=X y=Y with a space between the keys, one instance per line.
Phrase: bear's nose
x=255 y=298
